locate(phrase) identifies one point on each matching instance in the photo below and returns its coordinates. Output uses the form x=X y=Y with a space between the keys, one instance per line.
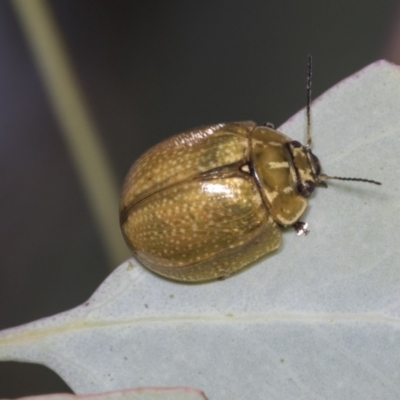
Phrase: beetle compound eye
x=310 y=186
x=316 y=165
x=305 y=188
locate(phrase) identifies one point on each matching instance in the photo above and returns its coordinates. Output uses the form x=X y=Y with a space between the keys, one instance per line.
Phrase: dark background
x=148 y=69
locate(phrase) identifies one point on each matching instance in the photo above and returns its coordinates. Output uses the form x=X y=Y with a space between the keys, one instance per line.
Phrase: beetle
x=205 y=203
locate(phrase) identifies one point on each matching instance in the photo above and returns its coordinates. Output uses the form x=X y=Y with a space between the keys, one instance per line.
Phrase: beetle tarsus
x=301 y=228
x=269 y=125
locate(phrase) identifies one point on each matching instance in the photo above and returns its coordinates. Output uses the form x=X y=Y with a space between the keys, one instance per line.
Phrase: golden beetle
x=203 y=204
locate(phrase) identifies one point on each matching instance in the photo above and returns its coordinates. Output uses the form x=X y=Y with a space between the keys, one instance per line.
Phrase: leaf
x=318 y=319
x=135 y=394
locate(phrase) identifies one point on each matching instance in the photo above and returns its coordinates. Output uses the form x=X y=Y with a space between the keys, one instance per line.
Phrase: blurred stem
x=79 y=130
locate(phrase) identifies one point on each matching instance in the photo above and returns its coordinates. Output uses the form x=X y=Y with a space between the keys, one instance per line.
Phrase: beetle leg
x=269 y=125
x=301 y=228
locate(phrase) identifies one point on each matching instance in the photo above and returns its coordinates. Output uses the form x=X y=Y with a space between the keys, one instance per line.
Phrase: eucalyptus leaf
x=317 y=319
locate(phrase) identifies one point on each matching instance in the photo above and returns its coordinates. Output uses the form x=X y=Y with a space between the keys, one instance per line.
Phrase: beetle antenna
x=309 y=76
x=340 y=178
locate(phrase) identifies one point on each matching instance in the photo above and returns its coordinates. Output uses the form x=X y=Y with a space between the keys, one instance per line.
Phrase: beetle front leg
x=301 y=228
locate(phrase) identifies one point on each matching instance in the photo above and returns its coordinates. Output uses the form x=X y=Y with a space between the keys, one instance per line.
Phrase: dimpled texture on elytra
x=189 y=212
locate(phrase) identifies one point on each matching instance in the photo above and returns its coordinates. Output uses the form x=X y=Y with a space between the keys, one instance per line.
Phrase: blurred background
x=146 y=70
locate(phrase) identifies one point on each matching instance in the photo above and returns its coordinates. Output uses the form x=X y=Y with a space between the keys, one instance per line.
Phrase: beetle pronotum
x=205 y=203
